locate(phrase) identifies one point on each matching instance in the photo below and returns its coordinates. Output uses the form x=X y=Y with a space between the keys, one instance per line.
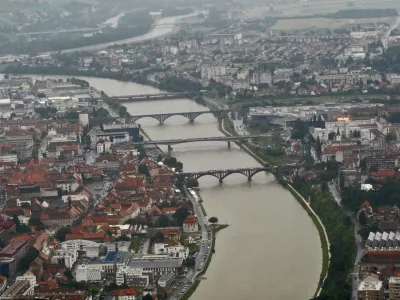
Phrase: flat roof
x=156 y=263
x=112 y=257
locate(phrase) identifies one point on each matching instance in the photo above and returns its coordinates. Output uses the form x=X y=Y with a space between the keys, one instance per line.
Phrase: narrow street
x=333 y=188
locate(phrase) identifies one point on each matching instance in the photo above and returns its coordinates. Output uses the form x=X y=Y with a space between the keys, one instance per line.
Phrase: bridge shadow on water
x=237 y=181
x=202 y=148
x=178 y=121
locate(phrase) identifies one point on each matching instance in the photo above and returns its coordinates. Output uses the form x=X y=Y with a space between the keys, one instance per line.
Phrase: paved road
x=203 y=252
x=333 y=188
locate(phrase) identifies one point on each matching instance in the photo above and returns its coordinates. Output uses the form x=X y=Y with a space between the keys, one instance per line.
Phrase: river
x=271 y=250
x=160 y=28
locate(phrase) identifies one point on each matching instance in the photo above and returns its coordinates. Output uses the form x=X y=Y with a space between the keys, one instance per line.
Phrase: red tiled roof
x=366 y=203
x=386 y=173
x=125 y=292
x=190 y=220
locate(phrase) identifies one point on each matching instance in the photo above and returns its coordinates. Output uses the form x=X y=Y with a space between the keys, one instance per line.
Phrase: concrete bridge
x=219 y=114
x=148 y=97
x=203 y=139
x=222 y=174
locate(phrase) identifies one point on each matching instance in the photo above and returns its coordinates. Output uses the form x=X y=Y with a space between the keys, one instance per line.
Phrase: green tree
x=158 y=237
x=27 y=259
x=331 y=136
x=163 y=221
x=143 y=169
x=180 y=215
x=213 y=220
x=363 y=218
x=190 y=262
x=62 y=232
x=34 y=221
x=192 y=182
x=147 y=297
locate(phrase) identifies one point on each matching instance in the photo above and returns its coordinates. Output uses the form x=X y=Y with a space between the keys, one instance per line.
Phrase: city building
x=177 y=251
x=23 y=287
x=370 y=288
x=157 y=266
x=190 y=224
x=166 y=279
x=394 y=288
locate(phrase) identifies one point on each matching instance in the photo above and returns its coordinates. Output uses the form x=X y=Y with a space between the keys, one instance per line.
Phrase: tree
x=158 y=237
x=34 y=221
x=143 y=169
x=331 y=136
x=192 y=182
x=27 y=259
x=163 y=221
x=62 y=232
x=363 y=218
x=300 y=130
x=213 y=220
x=190 y=262
x=318 y=146
x=180 y=215
x=147 y=297
x=123 y=238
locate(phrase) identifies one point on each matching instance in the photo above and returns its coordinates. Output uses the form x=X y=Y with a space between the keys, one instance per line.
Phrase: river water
x=160 y=28
x=271 y=250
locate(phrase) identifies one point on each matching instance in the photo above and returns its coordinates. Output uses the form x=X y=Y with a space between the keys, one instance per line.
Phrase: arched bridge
x=222 y=174
x=219 y=114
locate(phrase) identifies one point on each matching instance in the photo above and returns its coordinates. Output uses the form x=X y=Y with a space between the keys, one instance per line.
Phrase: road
x=386 y=37
x=333 y=188
x=203 y=253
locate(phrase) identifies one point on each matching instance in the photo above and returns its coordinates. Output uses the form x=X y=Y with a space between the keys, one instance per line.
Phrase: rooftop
x=156 y=263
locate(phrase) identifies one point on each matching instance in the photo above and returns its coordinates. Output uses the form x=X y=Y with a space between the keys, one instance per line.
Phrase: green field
x=311 y=7
x=320 y=23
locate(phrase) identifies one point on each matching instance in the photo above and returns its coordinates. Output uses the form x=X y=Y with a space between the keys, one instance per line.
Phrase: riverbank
x=199 y=276
x=325 y=245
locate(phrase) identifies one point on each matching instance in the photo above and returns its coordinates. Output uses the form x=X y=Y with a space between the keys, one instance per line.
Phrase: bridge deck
x=205 y=139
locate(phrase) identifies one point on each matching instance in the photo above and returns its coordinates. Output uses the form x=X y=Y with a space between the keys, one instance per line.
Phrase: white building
x=166 y=279
x=62 y=103
x=178 y=251
x=66 y=257
x=132 y=276
x=190 y=224
x=84 y=119
x=208 y=72
x=97 y=135
x=9 y=158
x=88 y=273
x=67 y=254
x=24 y=286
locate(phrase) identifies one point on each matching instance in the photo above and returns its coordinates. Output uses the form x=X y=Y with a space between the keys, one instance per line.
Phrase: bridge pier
x=221 y=180
x=229 y=144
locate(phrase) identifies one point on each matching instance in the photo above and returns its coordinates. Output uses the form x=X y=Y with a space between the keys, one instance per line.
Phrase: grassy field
x=310 y=7
x=319 y=23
